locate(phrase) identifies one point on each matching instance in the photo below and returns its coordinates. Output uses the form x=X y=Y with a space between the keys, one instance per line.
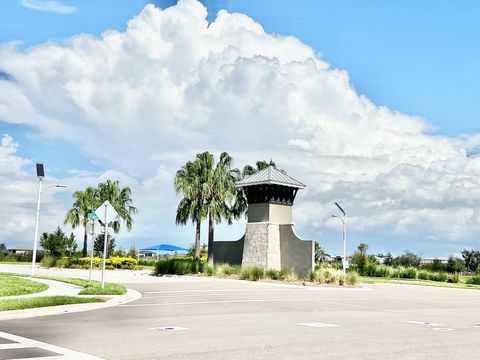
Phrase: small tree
x=98 y=245
x=455 y=265
x=133 y=252
x=71 y=245
x=388 y=260
x=408 y=259
x=54 y=244
x=320 y=255
x=360 y=258
x=472 y=259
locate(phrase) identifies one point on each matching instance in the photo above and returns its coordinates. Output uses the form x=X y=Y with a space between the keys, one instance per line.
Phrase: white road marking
x=239 y=301
x=25 y=343
x=318 y=325
x=169 y=328
x=423 y=323
x=442 y=329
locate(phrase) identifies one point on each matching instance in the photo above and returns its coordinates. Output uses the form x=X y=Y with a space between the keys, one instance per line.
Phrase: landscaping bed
x=13 y=285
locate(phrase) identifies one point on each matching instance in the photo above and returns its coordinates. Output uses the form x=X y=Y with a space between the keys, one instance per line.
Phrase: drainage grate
x=318 y=325
x=168 y=328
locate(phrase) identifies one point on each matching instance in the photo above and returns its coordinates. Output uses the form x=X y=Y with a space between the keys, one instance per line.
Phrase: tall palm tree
x=85 y=201
x=120 y=198
x=222 y=191
x=191 y=181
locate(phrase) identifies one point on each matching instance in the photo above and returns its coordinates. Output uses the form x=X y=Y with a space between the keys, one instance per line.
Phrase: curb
x=111 y=300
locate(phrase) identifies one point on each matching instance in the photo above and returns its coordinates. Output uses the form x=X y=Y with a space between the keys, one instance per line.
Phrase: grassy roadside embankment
x=44 y=301
x=385 y=280
x=13 y=285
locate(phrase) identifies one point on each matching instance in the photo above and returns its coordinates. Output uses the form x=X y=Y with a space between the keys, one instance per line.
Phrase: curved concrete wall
x=230 y=252
x=296 y=254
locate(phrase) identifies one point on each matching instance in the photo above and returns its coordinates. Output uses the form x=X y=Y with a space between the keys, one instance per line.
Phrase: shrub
x=226 y=270
x=454 y=278
x=177 y=266
x=49 y=261
x=351 y=278
x=253 y=273
x=423 y=275
x=474 y=280
x=63 y=262
x=287 y=274
x=272 y=274
x=438 y=276
x=409 y=273
x=209 y=269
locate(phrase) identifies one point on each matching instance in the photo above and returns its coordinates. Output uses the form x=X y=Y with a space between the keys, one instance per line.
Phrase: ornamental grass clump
x=253 y=273
x=288 y=275
x=226 y=270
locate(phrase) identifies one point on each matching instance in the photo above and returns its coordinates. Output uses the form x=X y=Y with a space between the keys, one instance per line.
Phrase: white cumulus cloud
x=147 y=99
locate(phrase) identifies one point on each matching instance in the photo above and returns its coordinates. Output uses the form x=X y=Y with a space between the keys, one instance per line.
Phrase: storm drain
x=318 y=325
x=168 y=328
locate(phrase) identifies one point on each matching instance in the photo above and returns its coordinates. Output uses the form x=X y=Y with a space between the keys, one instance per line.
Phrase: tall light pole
x=40 y=176
x=344 y=237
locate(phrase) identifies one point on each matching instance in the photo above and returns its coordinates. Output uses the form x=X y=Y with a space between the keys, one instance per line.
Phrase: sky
x=370 y=103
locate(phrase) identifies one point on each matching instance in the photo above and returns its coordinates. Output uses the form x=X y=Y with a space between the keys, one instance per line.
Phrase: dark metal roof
x=273 y=176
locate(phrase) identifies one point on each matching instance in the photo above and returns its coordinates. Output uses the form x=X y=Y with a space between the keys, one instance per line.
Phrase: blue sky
x=416 y=57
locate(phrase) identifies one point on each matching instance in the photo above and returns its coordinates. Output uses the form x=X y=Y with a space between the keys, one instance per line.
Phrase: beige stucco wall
x=265 y=212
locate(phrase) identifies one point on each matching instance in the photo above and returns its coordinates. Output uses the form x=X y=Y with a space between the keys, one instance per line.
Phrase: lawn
x=13 y=285
x=460 y=285
x=43 y=301
x=91 y=288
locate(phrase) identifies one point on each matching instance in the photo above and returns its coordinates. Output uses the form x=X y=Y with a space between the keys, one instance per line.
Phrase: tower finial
x=272 y=163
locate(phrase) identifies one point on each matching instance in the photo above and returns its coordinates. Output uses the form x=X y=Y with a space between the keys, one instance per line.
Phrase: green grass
x=43 y=301
x=91 y=288
x=459 y=285
x=13 y=285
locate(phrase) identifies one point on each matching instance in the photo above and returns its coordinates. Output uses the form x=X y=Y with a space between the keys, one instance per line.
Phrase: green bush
x=178 y=266
x=474 y=280
x=49 y=261
x=409 y=273
x=226 y=270
x=438 y=276
x=423 y=275
x=454 y=278
x=253 y=273
x=63 y=262
x=351 y=278
x=209 y=269
x=272 y=274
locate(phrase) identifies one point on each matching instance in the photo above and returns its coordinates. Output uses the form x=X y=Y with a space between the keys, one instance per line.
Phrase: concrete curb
x=112 y=300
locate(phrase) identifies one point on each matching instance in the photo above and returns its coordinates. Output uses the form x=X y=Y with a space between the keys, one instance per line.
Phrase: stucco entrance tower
x=269 y=241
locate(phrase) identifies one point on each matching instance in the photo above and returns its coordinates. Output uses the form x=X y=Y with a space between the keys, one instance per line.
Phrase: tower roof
x=271 y=176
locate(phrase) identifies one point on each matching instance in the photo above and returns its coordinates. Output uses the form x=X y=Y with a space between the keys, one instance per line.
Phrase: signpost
x=93 y=217
x=108 y=214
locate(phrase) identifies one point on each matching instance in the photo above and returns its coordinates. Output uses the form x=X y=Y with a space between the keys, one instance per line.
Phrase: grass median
x=44 y=301
x=91 y=287
x=13 y=285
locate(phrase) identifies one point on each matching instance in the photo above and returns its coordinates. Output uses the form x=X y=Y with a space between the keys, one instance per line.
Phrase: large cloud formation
x=171 y=85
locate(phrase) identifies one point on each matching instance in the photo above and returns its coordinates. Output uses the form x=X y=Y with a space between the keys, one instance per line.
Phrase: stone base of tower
x=276 y=246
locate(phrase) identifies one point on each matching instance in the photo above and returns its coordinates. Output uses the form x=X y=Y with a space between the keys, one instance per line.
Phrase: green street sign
x=92 y=215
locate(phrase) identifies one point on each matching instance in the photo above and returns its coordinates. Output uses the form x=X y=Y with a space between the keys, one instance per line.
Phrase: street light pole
x=35 y=239
x=40 y=176
x=344 y=236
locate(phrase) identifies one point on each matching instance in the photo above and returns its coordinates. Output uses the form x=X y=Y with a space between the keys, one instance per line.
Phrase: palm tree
x=191 y=181
x=85 y=202
x=222 y=191
x=121 y=200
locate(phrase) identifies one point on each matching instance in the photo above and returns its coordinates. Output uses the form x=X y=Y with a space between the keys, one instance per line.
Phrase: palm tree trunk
x=197 y=240
x=84 y=251
x=211 y=230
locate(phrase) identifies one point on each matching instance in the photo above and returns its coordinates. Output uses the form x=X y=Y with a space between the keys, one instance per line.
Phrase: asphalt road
x=228 y=319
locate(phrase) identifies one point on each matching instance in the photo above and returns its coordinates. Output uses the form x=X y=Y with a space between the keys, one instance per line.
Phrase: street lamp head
x=61 y=186
x=340 y=208
x=40 y=170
